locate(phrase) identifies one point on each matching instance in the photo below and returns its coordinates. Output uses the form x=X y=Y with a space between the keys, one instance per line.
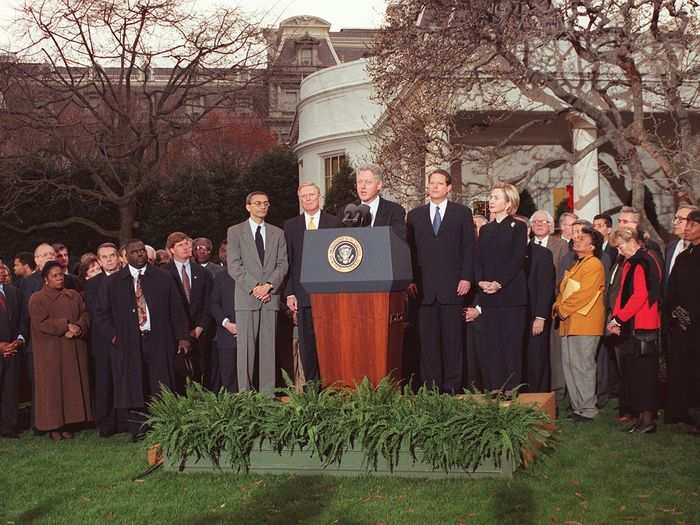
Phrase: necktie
x=141 y=303
x=685 y=245
x=312 y=223
x=260 y=245
x=436 y=221
x=3 y=306
x=186 y=285
x=538 y=242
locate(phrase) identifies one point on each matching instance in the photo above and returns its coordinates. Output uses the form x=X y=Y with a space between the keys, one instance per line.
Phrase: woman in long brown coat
x=59 y=324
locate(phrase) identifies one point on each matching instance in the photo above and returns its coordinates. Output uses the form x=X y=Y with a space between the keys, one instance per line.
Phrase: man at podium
x=442 y=239
x=382 y=212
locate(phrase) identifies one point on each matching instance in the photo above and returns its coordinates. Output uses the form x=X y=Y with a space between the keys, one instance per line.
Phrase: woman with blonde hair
x=502 y=291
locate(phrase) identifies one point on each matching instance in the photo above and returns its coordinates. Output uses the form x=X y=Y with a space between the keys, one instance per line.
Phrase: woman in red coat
x=636 y=319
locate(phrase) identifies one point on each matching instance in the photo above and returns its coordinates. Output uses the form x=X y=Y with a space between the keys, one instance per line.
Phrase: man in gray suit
x=257 y=261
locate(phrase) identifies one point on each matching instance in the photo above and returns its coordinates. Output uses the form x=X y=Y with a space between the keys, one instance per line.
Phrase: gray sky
x=340 y=13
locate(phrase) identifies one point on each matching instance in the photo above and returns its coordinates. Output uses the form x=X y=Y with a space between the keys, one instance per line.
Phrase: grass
x=595 y=475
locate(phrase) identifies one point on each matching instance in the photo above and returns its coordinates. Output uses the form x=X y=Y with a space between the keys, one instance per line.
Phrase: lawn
x=595 y=475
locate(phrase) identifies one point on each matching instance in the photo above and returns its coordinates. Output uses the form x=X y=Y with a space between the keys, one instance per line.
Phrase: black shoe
x=578 y=418
x=645 y=429
x=135 y=438
x=631 y=427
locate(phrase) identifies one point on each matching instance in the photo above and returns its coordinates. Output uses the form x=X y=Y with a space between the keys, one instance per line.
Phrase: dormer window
x=306 y=57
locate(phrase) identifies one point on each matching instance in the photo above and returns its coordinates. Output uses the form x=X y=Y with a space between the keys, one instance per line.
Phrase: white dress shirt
x=373 y=208
x=254 y=228
x=680 y=248
x=316 y=216
x=188 y=270
x=135 y=275
x=543 y=241
x=434 y=207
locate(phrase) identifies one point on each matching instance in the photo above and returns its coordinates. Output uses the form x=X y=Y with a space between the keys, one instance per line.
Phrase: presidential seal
x=345 y=254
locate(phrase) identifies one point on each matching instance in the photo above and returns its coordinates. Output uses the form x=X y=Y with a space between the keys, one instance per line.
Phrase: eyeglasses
x=540 y=221
x=264 y=204
x=680 y=219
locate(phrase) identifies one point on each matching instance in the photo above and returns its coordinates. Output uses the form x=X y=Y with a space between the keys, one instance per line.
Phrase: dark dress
x=541 y=278
x=62 y=389
x=637 y=310
x=683 y=312
x=501 y=255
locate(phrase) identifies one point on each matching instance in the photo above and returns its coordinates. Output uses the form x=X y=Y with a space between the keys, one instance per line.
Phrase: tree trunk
x=127 y=216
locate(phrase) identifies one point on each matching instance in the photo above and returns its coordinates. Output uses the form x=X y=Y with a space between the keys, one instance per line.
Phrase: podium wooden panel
x=358 y=335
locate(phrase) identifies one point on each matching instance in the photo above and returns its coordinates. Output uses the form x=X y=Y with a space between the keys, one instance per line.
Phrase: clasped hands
x=10 y=349
x=463 y=287
x=262 y=292
x=490 y=287
x=73 y=331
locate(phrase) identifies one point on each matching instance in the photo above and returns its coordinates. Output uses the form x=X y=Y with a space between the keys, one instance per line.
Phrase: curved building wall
x=335 y=115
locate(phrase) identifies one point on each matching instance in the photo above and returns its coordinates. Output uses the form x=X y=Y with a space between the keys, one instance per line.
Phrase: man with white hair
x=679 y=244
x=542 y=226
x=382 y=212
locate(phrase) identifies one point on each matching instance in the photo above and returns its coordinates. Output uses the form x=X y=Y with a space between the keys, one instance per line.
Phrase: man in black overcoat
x=108 y=420
x=222 y=307
x=194 y=286
x=298 y=301
x=11 y=342
x=146 y=334
x=442 y=240
x=541 y=277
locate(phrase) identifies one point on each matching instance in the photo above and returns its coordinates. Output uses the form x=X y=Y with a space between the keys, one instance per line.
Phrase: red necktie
x=3 y=305
x=186 y=283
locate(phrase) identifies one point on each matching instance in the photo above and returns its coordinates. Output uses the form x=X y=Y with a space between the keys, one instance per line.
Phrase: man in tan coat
x=580 y=309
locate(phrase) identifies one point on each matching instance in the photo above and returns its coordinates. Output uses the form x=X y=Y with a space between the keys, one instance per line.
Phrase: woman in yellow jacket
x=580 y=308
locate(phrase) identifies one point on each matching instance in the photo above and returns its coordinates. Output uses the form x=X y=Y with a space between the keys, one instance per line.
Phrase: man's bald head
x=43 y=254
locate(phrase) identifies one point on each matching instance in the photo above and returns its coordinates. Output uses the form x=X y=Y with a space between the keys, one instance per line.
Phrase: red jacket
x=645 y=317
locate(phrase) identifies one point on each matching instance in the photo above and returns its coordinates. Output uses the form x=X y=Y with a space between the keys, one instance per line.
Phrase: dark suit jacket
x=502 y=249
x=201 y=283
x=441 y=261
x=222 y=305
x=540 y=281
x=294 y=229
x=670 y=248
x=391 y=214
x=213 y=268
x=169 y=323
x=609 y=261
x=13 y=303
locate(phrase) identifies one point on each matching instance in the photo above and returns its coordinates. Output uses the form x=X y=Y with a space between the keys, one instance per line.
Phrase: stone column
x=585 y=172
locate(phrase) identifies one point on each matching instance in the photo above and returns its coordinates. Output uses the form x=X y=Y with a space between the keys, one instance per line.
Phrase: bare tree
x=630 y=67
x=106 y=87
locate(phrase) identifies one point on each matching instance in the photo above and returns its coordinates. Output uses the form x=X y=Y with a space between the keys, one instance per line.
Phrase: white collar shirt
x=433 y=207
x=254 y=228
x=543 y=241
x=373 y=208
x=316 y=216
x=188 y=269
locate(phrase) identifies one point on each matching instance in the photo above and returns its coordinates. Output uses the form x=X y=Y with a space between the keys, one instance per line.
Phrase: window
x=289 y=100
x=332 y=165
x=306 y=56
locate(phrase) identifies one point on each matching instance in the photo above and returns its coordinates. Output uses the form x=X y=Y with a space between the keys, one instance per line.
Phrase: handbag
x=646 y=341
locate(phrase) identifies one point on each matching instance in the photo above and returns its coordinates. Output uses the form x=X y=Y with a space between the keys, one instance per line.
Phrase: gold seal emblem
x=345 y=254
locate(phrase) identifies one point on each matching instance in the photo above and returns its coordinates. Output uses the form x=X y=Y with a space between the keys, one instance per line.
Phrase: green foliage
x=276 y=173
x=343 y=190
x=444 y=431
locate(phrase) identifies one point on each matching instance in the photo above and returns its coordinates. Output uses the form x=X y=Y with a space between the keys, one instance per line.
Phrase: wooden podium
x=356 y=279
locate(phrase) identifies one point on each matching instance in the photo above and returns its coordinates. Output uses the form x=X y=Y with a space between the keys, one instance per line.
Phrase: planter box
x=267 y=461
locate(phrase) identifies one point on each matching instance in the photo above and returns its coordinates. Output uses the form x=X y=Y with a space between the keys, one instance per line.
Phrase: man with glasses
x=680 y=243
x=257 y=261
x=201 y=249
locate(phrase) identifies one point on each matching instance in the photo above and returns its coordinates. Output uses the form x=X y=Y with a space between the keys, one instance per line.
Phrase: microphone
x=350 y=215
x=365 y=218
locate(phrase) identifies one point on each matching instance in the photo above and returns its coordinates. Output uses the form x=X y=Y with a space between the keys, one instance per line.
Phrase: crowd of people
x=499 y=303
